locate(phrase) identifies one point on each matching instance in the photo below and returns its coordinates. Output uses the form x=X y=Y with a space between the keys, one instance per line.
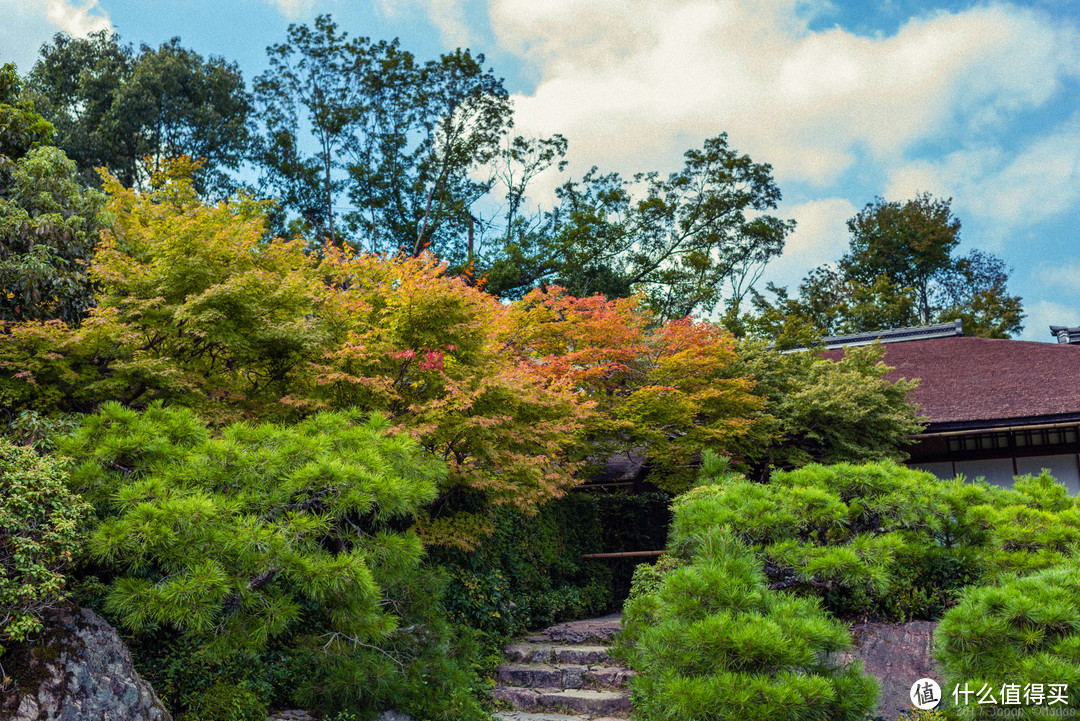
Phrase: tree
x=192 y=306
x=74 y=82
x=681 y=241
x=314 y=89
x=228 y=549
x=116 y=108
x=48 y=227
x=976 y=293
x=196 y=308
x=226 y=538
x=1019 y=629
x=909 y=243
x=48 y=221
x=424 y=347
x=900 y=270
x=522 y=251
x=22 y=128
x=829 y=303
x=822 y=410
x=711 y=640
x=665 y=393
x=428 y=130
x=403 y=138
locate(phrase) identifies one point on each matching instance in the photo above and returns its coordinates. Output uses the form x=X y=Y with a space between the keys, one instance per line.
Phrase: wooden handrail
x=623 y=554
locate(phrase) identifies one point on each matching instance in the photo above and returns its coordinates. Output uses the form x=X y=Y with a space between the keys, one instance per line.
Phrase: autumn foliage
x=424 y=347
x=197 y=308
x=663 y=392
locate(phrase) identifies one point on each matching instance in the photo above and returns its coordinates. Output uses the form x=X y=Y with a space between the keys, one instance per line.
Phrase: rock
x=584 y=701
x=79 y=670
x=291 y=715
x=394 y=716
x=601 y=629
x=897 y=655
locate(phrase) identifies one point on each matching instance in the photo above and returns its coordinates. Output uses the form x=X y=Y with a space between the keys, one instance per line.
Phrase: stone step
x=579 y=632
x=524 y=716
x=584 y=655
x=563 y=676
x=581 y=701
x=542 y=675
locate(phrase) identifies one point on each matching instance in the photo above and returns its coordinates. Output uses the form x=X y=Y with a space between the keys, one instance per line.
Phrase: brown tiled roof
x=967 y=382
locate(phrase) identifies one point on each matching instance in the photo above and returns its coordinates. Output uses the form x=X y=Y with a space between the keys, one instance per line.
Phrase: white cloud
x=1064 y=276
x=1043 y=314
x=1006 y=189
x=77 y=19
x=27 y=24
x=820 y=237
x=293 y=9
x=633 y=82
x=448 y=16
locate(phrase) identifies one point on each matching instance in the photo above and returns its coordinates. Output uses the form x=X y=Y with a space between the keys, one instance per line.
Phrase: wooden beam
x=590 y=486
x=624 y=554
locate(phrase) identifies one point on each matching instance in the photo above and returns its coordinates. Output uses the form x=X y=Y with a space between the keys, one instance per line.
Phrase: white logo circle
x=925 y=694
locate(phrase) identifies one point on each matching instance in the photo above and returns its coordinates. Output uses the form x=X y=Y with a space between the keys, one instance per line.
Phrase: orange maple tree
x=423 y=346
x=661 y=392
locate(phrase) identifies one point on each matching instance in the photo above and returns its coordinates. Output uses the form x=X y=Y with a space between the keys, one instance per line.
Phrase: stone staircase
x=564 y=673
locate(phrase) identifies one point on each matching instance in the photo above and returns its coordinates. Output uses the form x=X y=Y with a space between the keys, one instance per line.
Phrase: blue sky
x=846 y=99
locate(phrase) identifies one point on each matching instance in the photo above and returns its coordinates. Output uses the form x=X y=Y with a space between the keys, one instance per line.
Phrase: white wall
x=1062 y=467
x=999 y=471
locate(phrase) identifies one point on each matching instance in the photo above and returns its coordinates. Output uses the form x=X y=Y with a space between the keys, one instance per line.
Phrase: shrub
x=1021 y=631
x=880 y=539
x=41 y=529
x=228 y=702
x=529 y=572
x=41 y=433
x=714 y=642
x=280 y=553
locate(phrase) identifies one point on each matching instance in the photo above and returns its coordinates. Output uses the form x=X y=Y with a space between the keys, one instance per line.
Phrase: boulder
x=897 y=655
x=79 y=670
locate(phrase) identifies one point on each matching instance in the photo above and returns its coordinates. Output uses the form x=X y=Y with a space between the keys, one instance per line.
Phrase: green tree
x=909 y=243
x=266 y=545
x=1018 y=632
x=822 y=410
x=49 y=224
x=131 y=111
x=235 y=538
x=684 y=242
x=428 y=129
x=900 y=270
x=310 y=85
x=74 y=82
x=521 y=251
x=403 y=139
x=21 y=126
x=48 y=221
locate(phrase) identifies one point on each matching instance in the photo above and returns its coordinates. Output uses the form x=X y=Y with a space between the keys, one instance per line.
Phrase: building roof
x=896 y=335
x=983 y=382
